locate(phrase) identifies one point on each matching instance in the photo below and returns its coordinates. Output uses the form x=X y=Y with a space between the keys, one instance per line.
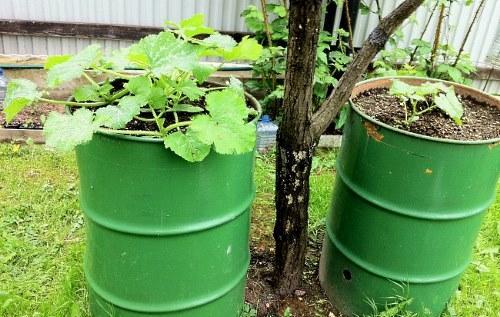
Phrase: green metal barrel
x=165 y=237
x=405 y=213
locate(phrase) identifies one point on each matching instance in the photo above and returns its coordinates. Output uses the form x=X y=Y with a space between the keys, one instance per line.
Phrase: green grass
x=42 y=236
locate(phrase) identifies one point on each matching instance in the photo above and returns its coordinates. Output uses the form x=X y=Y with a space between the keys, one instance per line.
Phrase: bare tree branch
x=326 y=113
x=476 y=15
x=437 y=36
x=412 y=56
x=349 y=25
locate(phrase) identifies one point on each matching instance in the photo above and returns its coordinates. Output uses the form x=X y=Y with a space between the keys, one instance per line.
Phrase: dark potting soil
x=480 y=120
x=139 y=125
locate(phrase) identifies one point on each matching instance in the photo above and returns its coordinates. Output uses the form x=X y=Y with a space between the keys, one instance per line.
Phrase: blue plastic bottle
x=3 y=87
x=266 y=134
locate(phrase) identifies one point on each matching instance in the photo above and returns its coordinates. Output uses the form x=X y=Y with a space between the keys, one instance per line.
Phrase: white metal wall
x=480 y=40
x=225 y=15
x=220 y=14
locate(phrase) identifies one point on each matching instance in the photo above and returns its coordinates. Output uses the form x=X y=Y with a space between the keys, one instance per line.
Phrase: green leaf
x=254 y=19
x=229 y=137
x=224 y=46
x=63 y=132
x=430 y=89
x=364 y=9
x=400 y=88
x=86 y=93
x=117 y=117
x=450 y=104
x=202 y=71
x=187 y=146
x=236 y=84
x=163 y=53
x=194 y=26
x=226 y=125
x=247 y=49
x=218 y=40
x=279 y=10
x=342 y=117
x=141 y=87
x=20 y=94
x=74 y=67
x=118 y=60
x=227 y=104
x=185 y=108
x=157 y=98
x=189 y=88
x=53 y=60
x=455 y=75
x=105 y=89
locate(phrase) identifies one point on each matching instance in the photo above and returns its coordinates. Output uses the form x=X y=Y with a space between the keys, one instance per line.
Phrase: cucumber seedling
x=426 y=97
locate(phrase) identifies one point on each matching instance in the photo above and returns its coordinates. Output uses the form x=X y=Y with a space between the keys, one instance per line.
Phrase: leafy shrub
x=167 y=93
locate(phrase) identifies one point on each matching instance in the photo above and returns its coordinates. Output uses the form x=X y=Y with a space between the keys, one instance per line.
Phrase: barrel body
x=165 y=237
x=404 y=216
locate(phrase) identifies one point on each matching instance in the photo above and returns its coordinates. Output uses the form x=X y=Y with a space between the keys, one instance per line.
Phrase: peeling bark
x=295 y=146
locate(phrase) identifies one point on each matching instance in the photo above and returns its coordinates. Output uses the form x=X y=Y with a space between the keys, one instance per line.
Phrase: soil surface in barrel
x=480 y=121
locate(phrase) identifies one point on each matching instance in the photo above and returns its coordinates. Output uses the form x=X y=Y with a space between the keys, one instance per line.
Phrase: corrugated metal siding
x=222 y=15
x=225 y=15
x=219 y=14
x=479 y=42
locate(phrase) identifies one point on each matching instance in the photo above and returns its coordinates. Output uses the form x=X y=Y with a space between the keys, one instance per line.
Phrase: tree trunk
x=295 y=145
x=300 y=130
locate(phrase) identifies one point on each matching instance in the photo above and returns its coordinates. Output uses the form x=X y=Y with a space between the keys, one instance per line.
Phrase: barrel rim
x=359 y=87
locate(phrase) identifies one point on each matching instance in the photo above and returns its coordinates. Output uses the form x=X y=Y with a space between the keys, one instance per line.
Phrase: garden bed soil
x=308 y=300
x=480 y=120
x=30 y=117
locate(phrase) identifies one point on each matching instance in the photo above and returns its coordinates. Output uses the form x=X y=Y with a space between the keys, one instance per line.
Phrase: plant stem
x=379 y=10
x=90 y=80
x=157 y=120
x=349 y=26
x=437 y=37
x=474 y=19
x=177 y=125
x=73 y=103
x=274 y=111
x=176 y=118
x=119 y=94
x=145 y=119
x=412 y=56
x=212 y=88
x=425 y=110
x=116 y=74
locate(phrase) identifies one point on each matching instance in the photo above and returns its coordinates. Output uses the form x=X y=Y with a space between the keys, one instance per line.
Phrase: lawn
x=42 y=235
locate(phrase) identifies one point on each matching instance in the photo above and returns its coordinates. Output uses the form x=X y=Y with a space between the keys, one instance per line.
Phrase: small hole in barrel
x=347 y=275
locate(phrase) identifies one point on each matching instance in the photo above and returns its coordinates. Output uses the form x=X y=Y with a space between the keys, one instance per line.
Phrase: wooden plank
x=85 y=30
x=21 y=135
